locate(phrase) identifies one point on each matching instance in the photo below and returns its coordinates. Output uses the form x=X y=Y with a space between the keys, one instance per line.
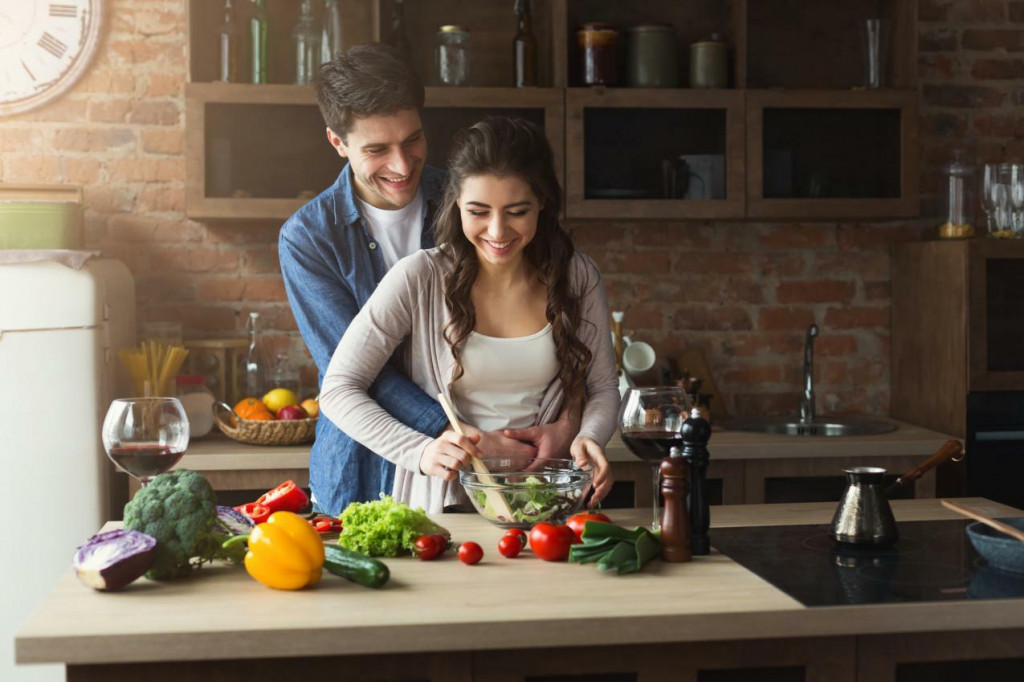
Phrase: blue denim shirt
x=331 y=266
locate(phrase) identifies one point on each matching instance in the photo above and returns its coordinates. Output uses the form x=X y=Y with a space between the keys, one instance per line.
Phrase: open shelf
x=803 y=141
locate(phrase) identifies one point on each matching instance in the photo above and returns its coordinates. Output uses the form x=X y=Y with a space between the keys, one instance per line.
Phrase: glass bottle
x=451 y=55
x=259 y=26
x=524 y=46
x=306 y=39
x=228 y=34
x=959 y=199
x=397 y=39
x=331 y=43
x=253 y=370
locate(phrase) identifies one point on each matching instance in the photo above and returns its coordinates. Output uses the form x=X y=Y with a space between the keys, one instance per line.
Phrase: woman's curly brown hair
x=513 y=147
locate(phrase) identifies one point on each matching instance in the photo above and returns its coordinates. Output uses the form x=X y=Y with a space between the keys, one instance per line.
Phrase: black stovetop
x=932 y=561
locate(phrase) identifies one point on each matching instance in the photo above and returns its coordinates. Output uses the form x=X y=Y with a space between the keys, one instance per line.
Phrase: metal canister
x=451 y=55
x=598 y=44
x=651 y=60
x=709 y=63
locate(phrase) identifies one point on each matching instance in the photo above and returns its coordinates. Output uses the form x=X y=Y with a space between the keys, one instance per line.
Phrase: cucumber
x=354 y=566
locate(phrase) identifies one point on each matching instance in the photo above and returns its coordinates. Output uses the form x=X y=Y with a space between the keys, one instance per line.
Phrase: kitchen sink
x=820 y=427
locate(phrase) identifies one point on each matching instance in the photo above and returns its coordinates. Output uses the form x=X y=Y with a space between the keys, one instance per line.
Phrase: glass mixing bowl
x=514 y=496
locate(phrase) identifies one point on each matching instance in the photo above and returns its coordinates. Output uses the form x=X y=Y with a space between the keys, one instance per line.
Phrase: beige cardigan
x=408 y=306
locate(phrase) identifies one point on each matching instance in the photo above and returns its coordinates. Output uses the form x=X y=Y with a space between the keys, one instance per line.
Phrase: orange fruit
x=259 y=416
x=311 y=406
x=247 y=406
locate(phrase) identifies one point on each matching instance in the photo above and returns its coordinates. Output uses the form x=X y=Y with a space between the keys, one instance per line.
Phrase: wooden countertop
x=219 y=453
x=499 y=604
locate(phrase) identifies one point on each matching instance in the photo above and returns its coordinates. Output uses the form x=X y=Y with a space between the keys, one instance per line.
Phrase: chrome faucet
x=807 y=399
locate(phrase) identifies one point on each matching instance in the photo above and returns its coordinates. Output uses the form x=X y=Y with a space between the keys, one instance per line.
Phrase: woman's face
x=499 y=216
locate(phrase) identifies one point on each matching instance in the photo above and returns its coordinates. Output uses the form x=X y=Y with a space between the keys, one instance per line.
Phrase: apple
x=292 y=412
x=312 y=407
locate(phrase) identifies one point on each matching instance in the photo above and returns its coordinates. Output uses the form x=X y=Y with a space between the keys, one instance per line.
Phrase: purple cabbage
x=111 y=560
x=230 y=521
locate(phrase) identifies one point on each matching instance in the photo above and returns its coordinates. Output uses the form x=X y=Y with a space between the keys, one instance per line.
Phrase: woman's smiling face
x=499 y=216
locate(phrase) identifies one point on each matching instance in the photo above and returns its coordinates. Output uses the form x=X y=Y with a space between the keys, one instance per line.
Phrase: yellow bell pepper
x=285 y=552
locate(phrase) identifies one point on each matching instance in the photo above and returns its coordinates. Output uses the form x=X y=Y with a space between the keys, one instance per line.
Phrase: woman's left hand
x=584 y=451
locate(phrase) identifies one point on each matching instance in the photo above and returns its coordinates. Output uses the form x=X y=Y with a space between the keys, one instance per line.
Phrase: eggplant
x=111 y=560
x=230 y=521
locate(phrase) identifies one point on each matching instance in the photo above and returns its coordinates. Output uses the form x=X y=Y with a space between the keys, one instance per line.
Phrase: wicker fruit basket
x=255 y=432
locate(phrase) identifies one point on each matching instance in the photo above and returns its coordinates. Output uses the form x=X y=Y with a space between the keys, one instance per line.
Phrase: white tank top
x=504 y=380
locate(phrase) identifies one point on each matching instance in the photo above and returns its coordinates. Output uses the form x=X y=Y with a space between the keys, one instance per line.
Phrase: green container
x=40 y=225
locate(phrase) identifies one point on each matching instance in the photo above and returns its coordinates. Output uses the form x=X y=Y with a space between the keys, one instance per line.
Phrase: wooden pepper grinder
x=696 y=433
x=675 y=517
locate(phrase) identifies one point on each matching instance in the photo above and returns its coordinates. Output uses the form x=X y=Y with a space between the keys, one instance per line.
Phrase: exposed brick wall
x=743 y=292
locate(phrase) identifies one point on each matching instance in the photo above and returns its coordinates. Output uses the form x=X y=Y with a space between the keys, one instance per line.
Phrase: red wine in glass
x=652 y=446
x=145 y=461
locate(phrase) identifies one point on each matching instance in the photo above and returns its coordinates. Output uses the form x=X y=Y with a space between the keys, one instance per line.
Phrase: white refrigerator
x=60 y=329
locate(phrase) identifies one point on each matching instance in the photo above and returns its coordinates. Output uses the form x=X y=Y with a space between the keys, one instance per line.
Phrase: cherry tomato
x=428 y=547
x=470 y=553
x=442 y=542
x=517 y=533
x=510 y=546
x=551 y=542
x=576 y=521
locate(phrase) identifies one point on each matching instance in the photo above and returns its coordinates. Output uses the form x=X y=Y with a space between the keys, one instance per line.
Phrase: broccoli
x=179 y=509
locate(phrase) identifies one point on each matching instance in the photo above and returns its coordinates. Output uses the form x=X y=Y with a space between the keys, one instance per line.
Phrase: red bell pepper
x=286 y=497
x=255 y=511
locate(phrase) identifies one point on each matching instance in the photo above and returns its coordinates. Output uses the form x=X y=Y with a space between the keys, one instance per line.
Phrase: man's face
x=386 y=154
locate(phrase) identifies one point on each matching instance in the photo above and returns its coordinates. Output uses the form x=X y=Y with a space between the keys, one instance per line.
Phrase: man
x=335 y=250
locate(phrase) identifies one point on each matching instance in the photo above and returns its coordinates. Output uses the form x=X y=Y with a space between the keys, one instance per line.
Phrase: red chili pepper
x=255 y=511
x=286 y=497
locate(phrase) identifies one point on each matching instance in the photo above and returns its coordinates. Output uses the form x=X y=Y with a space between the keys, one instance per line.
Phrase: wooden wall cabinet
x=791 y=62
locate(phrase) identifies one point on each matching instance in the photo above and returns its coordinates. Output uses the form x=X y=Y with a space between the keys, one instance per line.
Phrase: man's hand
x=496 y=444
x=551 y=440
x=586 y=451
x=448 y=453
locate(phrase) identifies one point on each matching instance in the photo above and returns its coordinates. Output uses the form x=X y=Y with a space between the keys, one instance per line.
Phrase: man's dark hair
x=366 y=80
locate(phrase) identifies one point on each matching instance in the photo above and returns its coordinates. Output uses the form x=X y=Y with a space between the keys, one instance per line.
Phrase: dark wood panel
x=929 y=335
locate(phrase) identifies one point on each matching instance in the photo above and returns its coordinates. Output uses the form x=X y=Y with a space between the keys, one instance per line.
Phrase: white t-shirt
x=396 y=232
x=504 y=380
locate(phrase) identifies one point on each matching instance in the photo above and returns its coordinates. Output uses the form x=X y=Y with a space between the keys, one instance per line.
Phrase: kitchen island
x=745 y=463
x=515 y=619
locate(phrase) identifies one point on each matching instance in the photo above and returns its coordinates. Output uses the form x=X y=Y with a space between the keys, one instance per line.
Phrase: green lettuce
x=384 y=527
x=532 y=501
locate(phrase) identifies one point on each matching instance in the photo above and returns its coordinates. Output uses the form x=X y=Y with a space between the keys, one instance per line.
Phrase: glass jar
x=198 y=401
x=959 y=199
x=598 y=42
x=709 y=63
x=451 y=55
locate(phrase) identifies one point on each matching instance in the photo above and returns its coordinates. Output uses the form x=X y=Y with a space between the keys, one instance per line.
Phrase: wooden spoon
x=496 y=499
x=988 y=521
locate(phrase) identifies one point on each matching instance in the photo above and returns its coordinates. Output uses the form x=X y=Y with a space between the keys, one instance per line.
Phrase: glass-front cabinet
x=654 y=153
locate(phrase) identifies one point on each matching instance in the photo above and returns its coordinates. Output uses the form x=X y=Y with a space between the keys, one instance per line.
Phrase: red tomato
x=470 y=553
x=255 y=511
x=428 y=547
x=286 y=497
x=576 y=521
x=517 y=533
x=551 y=542
x=442 y=542
x=510 y=546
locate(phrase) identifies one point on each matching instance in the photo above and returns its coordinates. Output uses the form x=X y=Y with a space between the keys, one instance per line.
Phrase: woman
x=504 y=317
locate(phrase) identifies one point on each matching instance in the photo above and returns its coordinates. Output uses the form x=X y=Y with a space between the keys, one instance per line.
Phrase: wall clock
x=44 y=48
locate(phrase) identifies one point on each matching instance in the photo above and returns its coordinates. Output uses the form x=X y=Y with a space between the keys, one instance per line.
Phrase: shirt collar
x=346 y=209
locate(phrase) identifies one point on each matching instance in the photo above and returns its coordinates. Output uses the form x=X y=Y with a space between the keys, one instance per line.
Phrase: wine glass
x=651 y=423
x=990 y=193
x=145 y=436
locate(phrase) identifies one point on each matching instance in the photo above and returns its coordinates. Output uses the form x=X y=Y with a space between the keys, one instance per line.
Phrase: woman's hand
x=586 y=451
x=448 y=453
